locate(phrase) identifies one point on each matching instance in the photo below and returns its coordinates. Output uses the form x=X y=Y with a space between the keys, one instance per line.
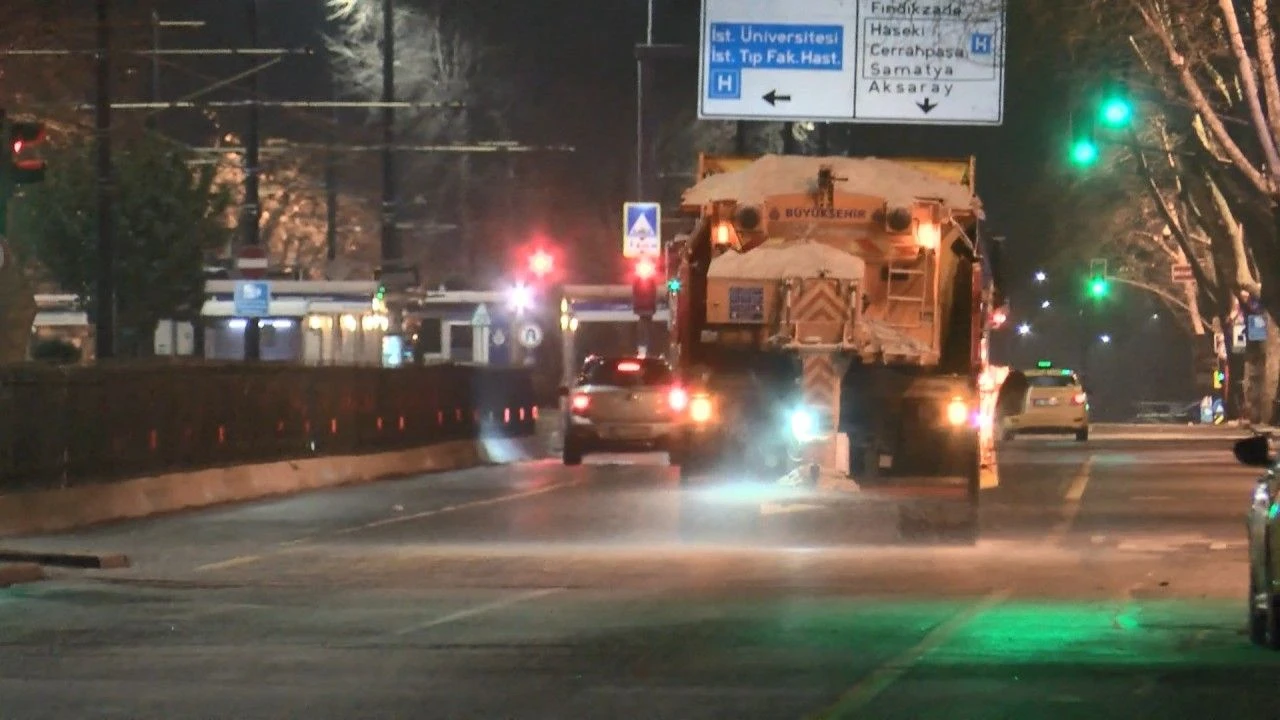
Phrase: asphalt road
x=1109 y=583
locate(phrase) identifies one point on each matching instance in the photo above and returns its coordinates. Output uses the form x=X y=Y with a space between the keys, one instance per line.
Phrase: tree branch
x=1249 y=76
x=1201 y=103
x=1264 y=38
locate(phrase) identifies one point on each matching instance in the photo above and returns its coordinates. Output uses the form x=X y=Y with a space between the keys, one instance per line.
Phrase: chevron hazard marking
x=819 y=301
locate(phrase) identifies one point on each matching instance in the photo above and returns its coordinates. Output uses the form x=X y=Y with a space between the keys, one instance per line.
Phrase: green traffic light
x=1116 y=112
x=1098 y=287
x=1084 y=152
x=673 y=285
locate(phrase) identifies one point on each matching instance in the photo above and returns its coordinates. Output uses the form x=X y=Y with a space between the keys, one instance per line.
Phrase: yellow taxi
x=1054 y=401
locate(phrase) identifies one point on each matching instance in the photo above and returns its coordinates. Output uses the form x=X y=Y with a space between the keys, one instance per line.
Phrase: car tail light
x=1079 y=398
x=628 y=366
x=580 y=403
x=678 y=399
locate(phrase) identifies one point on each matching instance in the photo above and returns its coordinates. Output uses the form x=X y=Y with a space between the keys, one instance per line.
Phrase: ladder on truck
x=910 y=291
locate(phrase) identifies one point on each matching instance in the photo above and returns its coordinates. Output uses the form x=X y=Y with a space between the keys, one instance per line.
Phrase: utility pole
x=152 y=119
x=642 y=89
x=104 y=291
x=331 y=177
x=390 y=239
x=251 y=213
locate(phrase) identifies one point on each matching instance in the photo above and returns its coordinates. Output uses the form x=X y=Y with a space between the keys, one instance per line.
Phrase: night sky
x=571 y=65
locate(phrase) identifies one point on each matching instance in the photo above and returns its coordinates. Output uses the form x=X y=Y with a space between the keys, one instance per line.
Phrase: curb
x=19 y=573
x=94 y=561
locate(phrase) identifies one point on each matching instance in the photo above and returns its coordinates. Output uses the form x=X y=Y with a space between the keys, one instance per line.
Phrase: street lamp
x=1045 y=305
x=1105 y=338
x=1024 y=329
x=1041 y=276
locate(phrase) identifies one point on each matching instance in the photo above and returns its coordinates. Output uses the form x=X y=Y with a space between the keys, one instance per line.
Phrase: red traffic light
x=646 y=269
x=541 y=263
x=24 y=136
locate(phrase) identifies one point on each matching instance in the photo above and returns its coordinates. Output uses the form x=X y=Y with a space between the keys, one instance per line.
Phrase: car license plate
x=1044 y=402
x=630 y=433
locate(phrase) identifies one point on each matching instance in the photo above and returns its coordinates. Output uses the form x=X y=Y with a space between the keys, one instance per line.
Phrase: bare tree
x=1209 y=66
x=436 y=62
x=294 y=214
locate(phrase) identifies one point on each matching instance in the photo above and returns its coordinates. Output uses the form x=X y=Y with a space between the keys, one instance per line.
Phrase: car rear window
x=1051 y=381
x=626 y=372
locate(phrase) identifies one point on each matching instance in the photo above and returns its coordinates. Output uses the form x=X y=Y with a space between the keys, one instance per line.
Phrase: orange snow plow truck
x=832 y=330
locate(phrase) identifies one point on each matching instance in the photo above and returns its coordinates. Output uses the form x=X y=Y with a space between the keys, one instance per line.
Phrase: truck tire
x=1082 y=435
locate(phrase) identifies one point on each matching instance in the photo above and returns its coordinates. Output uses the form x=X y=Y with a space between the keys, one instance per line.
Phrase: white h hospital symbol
x=724 y=83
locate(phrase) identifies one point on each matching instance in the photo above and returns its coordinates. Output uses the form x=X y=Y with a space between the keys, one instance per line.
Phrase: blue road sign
x=641 y=224
x=1256 y=328
x=981 y=43
x=774 y=68
x=253 y=298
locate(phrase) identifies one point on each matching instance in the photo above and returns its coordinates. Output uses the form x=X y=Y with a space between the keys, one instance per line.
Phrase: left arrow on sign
x=927 y=105
x=773 y=98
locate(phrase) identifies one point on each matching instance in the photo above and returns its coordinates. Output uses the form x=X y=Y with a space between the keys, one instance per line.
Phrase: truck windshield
x=626 y=372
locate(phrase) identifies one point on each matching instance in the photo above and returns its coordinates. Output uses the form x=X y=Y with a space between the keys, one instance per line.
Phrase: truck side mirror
x=1253 y=451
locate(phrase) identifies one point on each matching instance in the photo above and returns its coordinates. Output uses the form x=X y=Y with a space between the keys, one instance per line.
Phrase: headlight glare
x=957 y=412
x=804 y=424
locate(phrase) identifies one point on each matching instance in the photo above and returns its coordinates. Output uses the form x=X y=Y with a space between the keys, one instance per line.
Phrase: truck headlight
x=804 y=424
x=957 y=412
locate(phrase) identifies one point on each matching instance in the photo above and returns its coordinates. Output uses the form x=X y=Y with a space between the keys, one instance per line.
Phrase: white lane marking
x=233 y=562
x=461 y=506
x=292 y=544
x=867 y=689
x=1075 y=492
x=478 y=610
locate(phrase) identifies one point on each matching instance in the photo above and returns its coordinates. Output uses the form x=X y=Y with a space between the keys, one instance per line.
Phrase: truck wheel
x=1082 y=435
x=1008 y=435
x=572 y=454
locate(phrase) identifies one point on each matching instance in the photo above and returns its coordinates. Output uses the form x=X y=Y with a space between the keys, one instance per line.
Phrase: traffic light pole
x=252 y=212
x=644 y=331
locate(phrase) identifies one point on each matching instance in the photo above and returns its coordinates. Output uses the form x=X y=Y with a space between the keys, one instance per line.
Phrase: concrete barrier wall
x=56 y=510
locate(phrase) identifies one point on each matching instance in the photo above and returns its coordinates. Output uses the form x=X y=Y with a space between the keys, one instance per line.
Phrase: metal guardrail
x=61 y=427
x=1162 y=411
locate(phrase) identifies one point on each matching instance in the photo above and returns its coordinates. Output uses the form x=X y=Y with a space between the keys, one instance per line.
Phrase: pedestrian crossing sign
x=641 y=229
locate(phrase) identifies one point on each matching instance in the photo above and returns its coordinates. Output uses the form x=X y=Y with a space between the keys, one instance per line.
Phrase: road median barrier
x=48 y=511
x=84 y=560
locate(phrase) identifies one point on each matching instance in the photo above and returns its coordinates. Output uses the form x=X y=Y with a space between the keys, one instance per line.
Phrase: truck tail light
x=580 y=403
x=678 y=399
x=701 y=410
x=1079 y=398
x=957 y=411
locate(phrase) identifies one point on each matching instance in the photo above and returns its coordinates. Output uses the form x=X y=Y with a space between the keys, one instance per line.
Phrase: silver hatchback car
x=622 y=404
